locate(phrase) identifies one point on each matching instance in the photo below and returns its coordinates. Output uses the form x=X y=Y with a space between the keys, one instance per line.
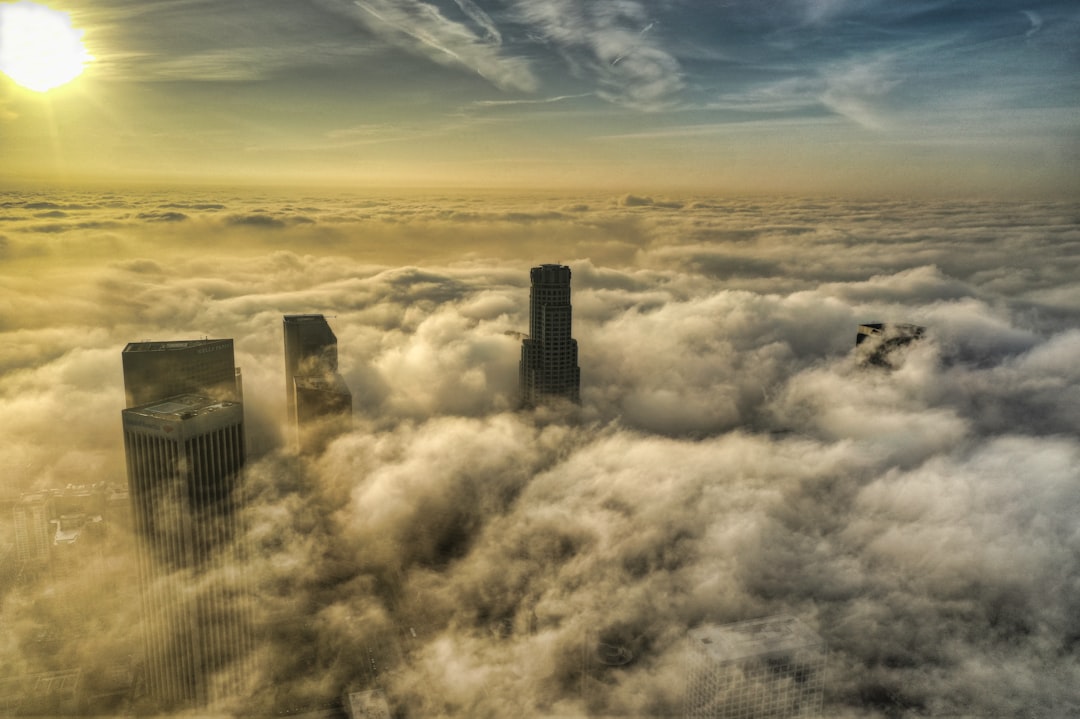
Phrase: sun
x=39 y=49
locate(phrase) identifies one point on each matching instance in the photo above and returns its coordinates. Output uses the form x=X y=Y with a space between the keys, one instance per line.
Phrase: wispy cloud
x=536 y=101
x=855 y=88
x=1036 y=22
x=613 y=44
x=481 y=18
x=722 y=128
x=211 y=66
x=789 y=94
x=421 y=28
x=355 y=136
x=821 y=11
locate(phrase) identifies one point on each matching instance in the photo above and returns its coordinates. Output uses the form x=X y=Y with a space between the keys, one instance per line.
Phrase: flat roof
x=370 y=704
x=166 y=345
x=184 y=406
x=900 y=328
x=782 y=634
x=304 y=318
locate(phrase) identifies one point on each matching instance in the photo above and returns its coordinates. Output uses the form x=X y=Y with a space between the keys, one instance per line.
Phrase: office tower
x=772 y=667
x=877 y=343
x=33 y=534
x=549 y=365
x=323 y=409
x=318 y=401
x=156 y=370
x=184 y=458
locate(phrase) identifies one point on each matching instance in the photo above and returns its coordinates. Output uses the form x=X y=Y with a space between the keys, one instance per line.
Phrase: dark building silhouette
x=549 y=366
x=876 y=343
x=317 y=399
x=156 y=370
x=184 y=460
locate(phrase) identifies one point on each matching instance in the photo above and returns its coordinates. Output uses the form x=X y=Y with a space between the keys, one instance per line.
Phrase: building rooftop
x=164 y=346
x=897 y=330
x=305 y=318
x=70 y=526
x=369 y=704
x=756 y=638
x=184 y=406
x=550 y=274
x=876 y=342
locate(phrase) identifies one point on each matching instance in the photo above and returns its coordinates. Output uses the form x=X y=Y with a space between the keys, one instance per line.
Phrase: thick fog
x=731 y=457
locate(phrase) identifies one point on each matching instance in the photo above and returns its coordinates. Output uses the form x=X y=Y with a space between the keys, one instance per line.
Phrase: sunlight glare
x=39 y=49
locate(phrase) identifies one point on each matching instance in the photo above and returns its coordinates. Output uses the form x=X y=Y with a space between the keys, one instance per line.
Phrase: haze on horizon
x=839 y=97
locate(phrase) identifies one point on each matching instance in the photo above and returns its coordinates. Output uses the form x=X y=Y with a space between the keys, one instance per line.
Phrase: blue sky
x=832 y=96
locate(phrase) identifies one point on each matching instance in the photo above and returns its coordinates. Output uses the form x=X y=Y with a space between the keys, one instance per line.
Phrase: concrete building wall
x=184 y=458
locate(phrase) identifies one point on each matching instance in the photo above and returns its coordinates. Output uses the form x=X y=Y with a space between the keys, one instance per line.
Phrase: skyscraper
x=317 y=399
x=763 y=668
x=184 y=458
x=32 y=531
x=156 y=370
x=549 y=365
x=879 y=344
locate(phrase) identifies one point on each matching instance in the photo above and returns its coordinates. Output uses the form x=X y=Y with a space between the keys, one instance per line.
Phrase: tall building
x=879 y=344
x=33 y=534
x=156 y=370
x=549 y=366
x=184 y=461
x=317 y=399
x=764 y=668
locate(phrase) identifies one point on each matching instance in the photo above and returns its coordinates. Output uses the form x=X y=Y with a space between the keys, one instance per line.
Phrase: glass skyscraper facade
x=549 y=361
x=184 y=460
x=156 y=370
x=318 y=402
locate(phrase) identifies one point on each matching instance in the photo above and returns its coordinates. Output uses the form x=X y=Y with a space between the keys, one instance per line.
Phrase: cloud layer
x=730 y=459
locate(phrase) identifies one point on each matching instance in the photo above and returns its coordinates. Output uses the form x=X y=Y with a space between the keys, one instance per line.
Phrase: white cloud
x=730 y=459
